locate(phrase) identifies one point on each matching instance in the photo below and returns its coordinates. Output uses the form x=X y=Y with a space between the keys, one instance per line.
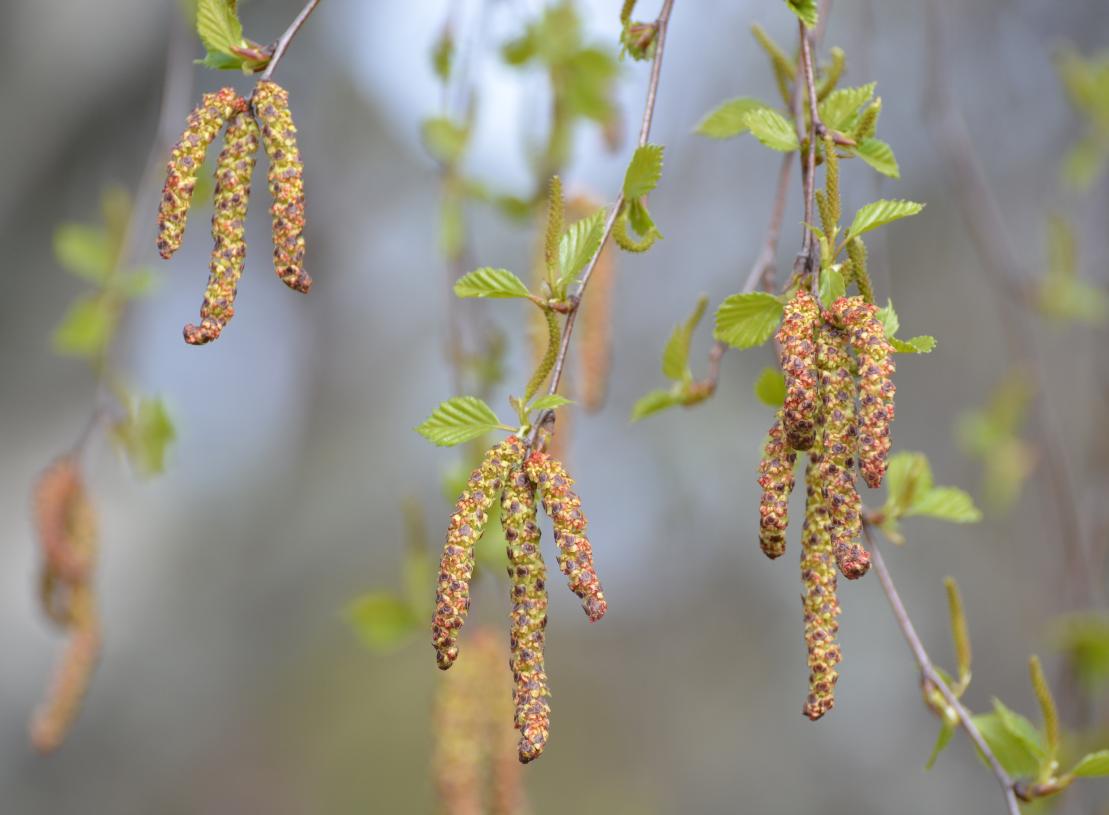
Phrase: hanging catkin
x=797 y=343
x=776 y=480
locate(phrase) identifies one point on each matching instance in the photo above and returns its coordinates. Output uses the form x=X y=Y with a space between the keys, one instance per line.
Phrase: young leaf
x=806 y=11
x=1092 y=765
x=381 y=620
x=86 y=329
x=832 y=286
x=1021 y=729
x=841 y=106
x=444 y=139
x=675 y=357
x=490 y=282
x=459 y=420
x=880 y=213
x=923 y=344
x=947 y=504
x=579 y=244
x=772 y=129
x=644 y=171
x=889 y=319
x=908 y=477
x=217 y=23
x=654 y=402
x=878 y=155
x=947 y=730
x=84 y=251
x=145 y=435
x=1009 y=749
x=549 y=401
x=770 y=387
x=959 y=634
x=727 y=119
x=747 y=320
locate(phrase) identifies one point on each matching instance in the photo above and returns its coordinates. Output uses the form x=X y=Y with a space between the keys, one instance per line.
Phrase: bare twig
x=816 y=130
x=282 y=43
x=932 y=678
x=575 y=298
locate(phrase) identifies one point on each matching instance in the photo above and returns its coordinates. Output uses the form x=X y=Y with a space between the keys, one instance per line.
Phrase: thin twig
x=282 y=43
x=575 y=299
x=931 y=676
x=816 y=129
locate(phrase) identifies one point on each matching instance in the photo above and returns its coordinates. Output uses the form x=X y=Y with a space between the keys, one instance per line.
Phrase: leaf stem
x=282 y=43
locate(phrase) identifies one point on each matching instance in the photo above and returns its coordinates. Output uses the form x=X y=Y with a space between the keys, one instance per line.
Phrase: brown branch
x=930 y=676
x=547 y=416
x=282 y=43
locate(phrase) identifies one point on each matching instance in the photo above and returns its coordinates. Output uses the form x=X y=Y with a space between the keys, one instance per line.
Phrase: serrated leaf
x=908 y=477
x=923 y=344
x=881 y=213
x=490 y=282
x=641 y=221
x=444 y=139
x=947 y=504
x=889 y=319
x=1009 y=749
x=550 y=401
x=770 y=387
x=654 y=402
x=217 y=23
x=772 y=129
x=458 y=420
x=1092 y=765
x=832 y=286
x=1021 y=729
x=579 y=244
x=727 y=119
x=145 y=436
x=381 y=620
x=878 y=155
x=806 y=11
x=837 y=111
x=84 y=251
x=644 y=171
x=943 y=738
x=747 y=320
x=86 y=329
x=675 y=357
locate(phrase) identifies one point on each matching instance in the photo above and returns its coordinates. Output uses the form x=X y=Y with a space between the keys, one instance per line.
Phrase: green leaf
x=806 y=11
x=549 y=401
x=947 y=504
x=728 y=119
x=654 y=402
x=84 y=251
x=675 y=357
x=490 y=282
x=770 y=387
x=1084 y=638
x=579 y=244
x=640 y=219
x=1010 y=750
x=880 y=213
x=878 y=155
x=747 y=320
x=444 y=139
x=146 y=435
x=1092 y=765
x=136 y=283
x=217 y=23
x=772 y=129
x=221 y=62
x=459 y=420
x=840 y=107
x=832 y=286
x=923 y=344
x=943 y=738
x=644 y=171
x=1021 y=729
x=86 y=329
x=889 y=319
x=381 y=620
x=908 y=477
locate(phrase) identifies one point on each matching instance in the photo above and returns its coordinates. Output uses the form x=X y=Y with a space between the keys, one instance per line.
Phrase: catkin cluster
x=265 y=118
x=521 y=483
x=838 y=369
x=66 y=527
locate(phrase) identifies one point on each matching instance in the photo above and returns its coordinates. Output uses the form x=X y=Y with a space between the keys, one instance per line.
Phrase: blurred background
x=231 y=680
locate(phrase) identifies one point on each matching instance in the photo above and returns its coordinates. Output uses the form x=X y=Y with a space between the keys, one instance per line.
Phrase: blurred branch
x=282 y=43
x=816 y=130
x=931 y=678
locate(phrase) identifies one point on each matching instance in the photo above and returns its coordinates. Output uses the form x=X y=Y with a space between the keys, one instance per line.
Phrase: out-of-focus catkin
x=528 y=577
x=65 y=522
x=575 y=552
x=186 y=159
x=456 y=567
x=232 y=194
x=797 y=343
x=776 y=479
x=286 y=183
x=595 y=320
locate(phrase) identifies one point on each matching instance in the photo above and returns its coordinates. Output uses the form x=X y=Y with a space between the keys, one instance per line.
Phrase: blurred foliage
x=1062 y=295
x=992 y=435
x=1086 y=81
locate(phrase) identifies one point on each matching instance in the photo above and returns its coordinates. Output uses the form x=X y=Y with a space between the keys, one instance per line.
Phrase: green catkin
x=827 y=222
x=839 y=440
x=286 y=183
x=776 y=480
x=874 y=353
x=185 y=161
x=832 y=74
x=553 y=236
x=232 y=194
x=528 y=576
x=797 y=355
x=831 y=184
x=575 y=552
x=856 y=252
x=819 y=602
x=784 y=68
x=543 y=369
x=456 y=567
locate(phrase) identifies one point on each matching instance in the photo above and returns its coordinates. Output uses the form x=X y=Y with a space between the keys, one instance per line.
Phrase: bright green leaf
x=86 y=329
x=770 y=387
x=136 y=283
x=1021 y=729
x=947 y=504
x=549 y=401
x=908 y=477
x=1092 y=765
x=878 y=155
x=84 y=251
x=644 y=171
x=837 y=111
x=880 y=213
x=444 y=139
x=747 y=320
x=654 y=402
x=943 y=738
x=459 y=420
x=923 y=344
x=490 y=282
x=806 y=11
x=217 y=23
x=728 y=118
x=579 y=244
x=1010 y=750
x=145 y=436
x=382 y=621
x=772 y=129
x=675 y=357
x=889 y=319
x=832 y=286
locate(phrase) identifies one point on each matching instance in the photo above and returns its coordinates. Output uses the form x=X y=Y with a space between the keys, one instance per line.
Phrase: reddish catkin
x=202 y=126
x=819 y=602
x=797 y=345
x=876 y=389
x=65 y=522
x=233 y=173
x=286 y=182
x=838 y=446
x=529 y=614
x=471 y=514
x=776 y=480
x=575 y=552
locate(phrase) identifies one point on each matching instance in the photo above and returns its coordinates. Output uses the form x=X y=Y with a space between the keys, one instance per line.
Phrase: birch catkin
x=796 y=339
x=186 y=158
x=232 y=194
x=65 y=522
x=776 y=480
x=286 y=183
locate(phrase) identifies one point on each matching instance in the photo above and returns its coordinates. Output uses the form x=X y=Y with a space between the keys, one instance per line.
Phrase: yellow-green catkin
x=838 y=449
x=797 y=354
x=575 y=552
x=528 y=577
x=874 y=354
x=776 y=480
x=819 y=602
x=234 y=170
x=456 y=567
x=286 y=182
x=856 y=252
x=186 y=158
